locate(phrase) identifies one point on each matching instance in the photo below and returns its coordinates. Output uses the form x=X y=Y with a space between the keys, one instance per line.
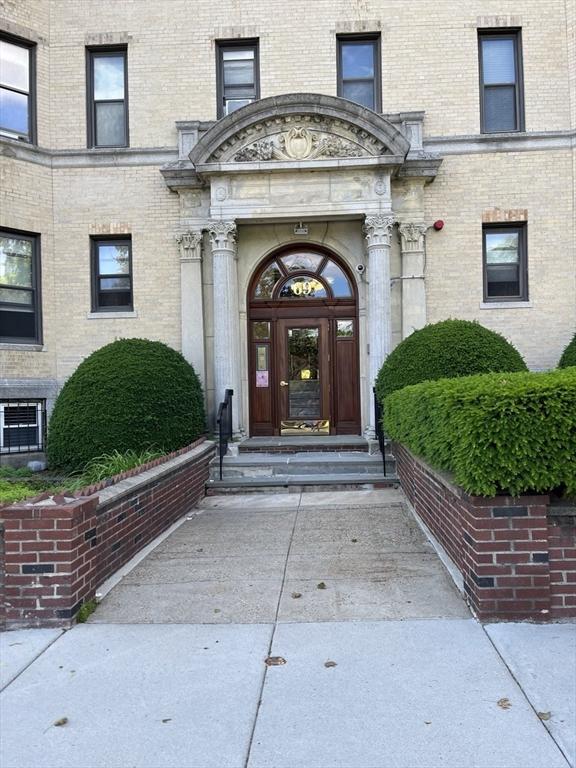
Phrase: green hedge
x=569 y=355
x=446 y=350
x=133 y=394
x=511 y=433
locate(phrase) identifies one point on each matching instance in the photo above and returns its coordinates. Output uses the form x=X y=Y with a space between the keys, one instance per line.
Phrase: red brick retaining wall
x=57 y=554
x=517 y=559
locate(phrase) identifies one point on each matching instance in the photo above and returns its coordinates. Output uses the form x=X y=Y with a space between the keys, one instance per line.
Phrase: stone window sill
x=506 y=305
x=110 y=315
x=9 y=347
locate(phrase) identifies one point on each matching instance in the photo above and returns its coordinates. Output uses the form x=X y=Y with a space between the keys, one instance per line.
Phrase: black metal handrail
x=380 y=428
x=224 y=422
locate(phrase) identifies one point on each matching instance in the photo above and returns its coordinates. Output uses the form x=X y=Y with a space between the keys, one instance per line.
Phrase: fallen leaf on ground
x=61 y=721
x=296 y=595
x=322 y=585
x=274 y=661
x=330 y=664
x=544 y=715
x=504 y=703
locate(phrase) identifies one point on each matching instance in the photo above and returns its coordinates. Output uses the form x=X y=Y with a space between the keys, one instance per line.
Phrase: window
x=112 y=275
x=359 y=70
x=505 y=263
x=19 y=287
x=501 y=90
x=237 y=75
x=22 y=426
x=17 y=88
x=107 y=97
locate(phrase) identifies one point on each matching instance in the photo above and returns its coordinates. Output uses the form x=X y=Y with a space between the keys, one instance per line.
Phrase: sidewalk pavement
x=384 y=667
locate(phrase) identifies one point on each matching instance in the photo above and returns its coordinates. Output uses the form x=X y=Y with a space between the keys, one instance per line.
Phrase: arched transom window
x=302 y=274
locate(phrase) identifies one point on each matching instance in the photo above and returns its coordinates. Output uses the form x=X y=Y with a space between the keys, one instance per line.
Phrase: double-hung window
x=237 y=75
x=112 y=275
x=17 y=60
x=107 y=97
x=505 y=263
x=19 y=287
x=501 y=88
x=358 y=69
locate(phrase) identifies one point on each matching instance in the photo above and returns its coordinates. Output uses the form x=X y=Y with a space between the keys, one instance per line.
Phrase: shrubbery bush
x=569 y=355
x=512 y=433
x=133 y=394
x=447 y=349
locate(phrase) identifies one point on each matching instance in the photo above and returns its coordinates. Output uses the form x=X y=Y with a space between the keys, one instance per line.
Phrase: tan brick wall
x=429 y=57
x=114 y=201
x=26 y=204
x=466 y=188
x=429 y=62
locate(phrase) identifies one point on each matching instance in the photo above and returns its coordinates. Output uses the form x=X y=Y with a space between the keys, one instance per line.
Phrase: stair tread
x=310 y=457
x=323 y=479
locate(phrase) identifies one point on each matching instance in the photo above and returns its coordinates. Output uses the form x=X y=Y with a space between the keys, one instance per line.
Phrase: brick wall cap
x=153 y=475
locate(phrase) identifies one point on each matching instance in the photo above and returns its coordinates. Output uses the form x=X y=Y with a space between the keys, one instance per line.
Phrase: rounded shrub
x=569 y=355
x=133 y=394
x=447 y=349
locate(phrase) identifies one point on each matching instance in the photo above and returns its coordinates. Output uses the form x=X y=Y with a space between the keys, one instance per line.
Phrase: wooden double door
x=304 y=376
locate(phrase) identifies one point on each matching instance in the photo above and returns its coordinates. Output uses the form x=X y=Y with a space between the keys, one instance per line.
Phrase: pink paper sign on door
x=261 y=378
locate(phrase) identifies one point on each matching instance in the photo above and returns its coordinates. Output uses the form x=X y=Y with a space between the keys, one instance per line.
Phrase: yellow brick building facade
x=204 y=200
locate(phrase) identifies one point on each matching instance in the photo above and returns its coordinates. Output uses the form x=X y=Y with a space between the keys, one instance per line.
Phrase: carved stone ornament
x=222 y=235
x=378 y=230
x=190 y=245
x=412 y=236
x=300 y=143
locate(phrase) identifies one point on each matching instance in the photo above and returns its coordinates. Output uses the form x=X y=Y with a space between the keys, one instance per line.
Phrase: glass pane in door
x=304 y=395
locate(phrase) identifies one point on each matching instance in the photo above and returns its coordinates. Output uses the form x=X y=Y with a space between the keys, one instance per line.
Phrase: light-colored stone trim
x=9 y=347
x=536 y=141
x=111 y=315
x=506 y=305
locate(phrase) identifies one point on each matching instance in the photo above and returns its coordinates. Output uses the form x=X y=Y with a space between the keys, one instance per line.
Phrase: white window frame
x=39 y=406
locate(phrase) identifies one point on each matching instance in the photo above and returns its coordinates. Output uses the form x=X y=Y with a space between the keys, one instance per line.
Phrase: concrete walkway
x=373 y=658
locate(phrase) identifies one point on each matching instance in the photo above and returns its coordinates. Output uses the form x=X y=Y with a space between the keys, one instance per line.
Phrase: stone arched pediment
x=299 y=127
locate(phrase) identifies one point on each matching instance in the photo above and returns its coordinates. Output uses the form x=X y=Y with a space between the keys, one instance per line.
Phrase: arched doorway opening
x=303 y=345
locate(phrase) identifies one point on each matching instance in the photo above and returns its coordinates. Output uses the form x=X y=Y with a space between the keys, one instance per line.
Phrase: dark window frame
x=514 y=34
x=95 y=242
x=93 y=52
x=522 y=229
x=223 y=45
x=31 y=136
x=370 y=37
x=36 y=289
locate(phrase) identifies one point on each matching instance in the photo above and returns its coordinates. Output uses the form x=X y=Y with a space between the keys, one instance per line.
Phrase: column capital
x=378 y=230
x=222 y=235
x=412 y=236
x=190 y=243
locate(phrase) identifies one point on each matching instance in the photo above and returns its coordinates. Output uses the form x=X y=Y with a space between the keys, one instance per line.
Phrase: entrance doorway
x=303 y=356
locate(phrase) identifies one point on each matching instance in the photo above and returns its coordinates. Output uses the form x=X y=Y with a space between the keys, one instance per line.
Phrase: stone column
x=412 y=245
x=226 y=317
x=378 y=232
x=192 y=305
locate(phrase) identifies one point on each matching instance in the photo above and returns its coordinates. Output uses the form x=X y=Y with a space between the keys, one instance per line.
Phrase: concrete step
x=304 y=443
x=301 y=483
x=270 y=465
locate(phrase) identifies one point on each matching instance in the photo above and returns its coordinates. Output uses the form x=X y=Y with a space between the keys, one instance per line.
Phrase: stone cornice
x=535 y=141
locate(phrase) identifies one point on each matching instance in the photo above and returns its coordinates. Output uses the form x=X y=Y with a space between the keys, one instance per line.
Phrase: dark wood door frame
x=342 y=376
